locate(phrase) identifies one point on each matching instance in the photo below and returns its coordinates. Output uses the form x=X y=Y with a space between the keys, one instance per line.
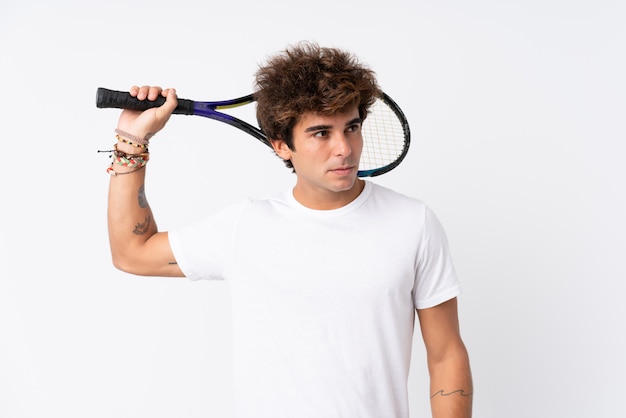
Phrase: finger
x=142 y=94
x=154 y=92
x=134 y=90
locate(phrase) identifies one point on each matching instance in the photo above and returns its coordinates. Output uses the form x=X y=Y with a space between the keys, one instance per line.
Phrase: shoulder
x=381 y=191
x=390 y=198
x=412 y=212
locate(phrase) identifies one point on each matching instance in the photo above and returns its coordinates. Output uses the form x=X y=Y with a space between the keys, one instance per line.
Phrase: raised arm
x=451 y=389
x=136 y=245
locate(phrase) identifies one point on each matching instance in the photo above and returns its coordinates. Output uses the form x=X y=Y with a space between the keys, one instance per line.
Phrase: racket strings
x=383 y=137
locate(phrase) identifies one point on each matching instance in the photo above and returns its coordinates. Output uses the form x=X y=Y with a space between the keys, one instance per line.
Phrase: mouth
x=343 y=171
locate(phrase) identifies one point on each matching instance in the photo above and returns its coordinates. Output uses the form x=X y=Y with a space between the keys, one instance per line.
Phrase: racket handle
x=106 y=98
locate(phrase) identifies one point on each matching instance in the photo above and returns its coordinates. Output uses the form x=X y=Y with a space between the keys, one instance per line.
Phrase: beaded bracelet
x=136 y=139
x=144 y=146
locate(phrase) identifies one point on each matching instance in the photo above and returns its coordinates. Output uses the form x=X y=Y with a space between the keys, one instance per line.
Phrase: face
x=325 y=156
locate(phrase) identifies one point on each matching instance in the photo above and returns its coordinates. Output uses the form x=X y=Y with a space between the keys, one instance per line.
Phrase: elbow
x=119 y=264
x=454 y=353
x=124 y=264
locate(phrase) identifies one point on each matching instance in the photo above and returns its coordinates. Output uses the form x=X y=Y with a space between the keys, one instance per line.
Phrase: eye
x=354 y=128
x=321 y=134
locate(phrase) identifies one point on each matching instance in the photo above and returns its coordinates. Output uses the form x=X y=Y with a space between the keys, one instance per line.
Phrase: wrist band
x=132 y=162
x=136 y=139
x=112 y=172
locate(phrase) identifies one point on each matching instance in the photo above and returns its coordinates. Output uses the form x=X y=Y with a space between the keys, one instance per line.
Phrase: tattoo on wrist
x=461 y=392
x=143 y=227
x=141 y=197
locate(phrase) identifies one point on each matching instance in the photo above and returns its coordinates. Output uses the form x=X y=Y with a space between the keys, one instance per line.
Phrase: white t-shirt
x=323 y=301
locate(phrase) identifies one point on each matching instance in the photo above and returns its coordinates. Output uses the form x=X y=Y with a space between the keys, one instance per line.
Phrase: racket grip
x=106 y=98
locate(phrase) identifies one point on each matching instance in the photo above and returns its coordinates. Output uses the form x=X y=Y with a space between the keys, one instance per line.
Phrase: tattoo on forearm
x=442 y=393
x=172 y=262
x=142 y=227
x=141 y=197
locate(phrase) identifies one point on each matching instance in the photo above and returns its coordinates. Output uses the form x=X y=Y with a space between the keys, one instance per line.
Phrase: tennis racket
x=386 y=134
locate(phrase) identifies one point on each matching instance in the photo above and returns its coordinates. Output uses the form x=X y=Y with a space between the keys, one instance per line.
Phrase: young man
x=326 y=279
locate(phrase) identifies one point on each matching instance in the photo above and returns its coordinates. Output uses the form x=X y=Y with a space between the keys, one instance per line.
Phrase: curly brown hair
x=309 y=78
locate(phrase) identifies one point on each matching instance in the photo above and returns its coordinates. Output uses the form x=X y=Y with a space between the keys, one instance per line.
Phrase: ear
x=281 y=148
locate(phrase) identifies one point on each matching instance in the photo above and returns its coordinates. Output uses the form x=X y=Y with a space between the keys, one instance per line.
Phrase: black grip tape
x=106 y=98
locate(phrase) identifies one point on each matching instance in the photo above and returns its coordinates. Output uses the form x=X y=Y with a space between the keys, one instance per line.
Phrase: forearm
x=130 y=219
x=451 y=389
x=136 y=245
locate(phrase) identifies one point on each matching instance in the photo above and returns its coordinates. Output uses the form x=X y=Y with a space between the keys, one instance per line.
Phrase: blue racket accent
x=209 y=110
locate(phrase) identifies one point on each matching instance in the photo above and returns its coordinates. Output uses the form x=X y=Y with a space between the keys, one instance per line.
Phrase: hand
x=147 y=123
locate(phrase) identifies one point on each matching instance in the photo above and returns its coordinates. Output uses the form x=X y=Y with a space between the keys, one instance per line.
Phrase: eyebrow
x=326 y=127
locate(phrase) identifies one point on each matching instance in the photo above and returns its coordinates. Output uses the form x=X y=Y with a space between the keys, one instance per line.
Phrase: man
x=327 y=278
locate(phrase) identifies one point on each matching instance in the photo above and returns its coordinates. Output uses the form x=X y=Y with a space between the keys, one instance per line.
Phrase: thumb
x=161 y=115
x=171 y=101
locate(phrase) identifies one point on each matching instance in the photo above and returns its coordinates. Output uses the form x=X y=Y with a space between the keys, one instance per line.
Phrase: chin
x=346 y=184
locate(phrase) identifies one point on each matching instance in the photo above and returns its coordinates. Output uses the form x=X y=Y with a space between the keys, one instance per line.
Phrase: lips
x=343 y=170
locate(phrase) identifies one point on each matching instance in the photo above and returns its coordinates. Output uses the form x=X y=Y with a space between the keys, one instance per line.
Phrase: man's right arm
x=137 y=246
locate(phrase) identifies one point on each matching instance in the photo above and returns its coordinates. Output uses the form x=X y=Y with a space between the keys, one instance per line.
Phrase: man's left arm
x=451 y=389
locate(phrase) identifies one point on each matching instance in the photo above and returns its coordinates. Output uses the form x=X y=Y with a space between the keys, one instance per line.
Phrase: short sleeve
x=202 y=250
x=436 y=279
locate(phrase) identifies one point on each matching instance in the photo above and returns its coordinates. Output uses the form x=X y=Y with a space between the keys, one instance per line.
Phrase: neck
x=326 y=199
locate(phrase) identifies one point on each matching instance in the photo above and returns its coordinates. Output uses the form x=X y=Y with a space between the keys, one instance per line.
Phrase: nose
x=342 y=146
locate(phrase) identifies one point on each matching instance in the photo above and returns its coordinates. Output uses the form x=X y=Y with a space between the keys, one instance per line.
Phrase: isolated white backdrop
x=517 y=112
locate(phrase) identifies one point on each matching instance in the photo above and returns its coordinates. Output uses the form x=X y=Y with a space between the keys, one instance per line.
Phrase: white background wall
x=517 y=111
